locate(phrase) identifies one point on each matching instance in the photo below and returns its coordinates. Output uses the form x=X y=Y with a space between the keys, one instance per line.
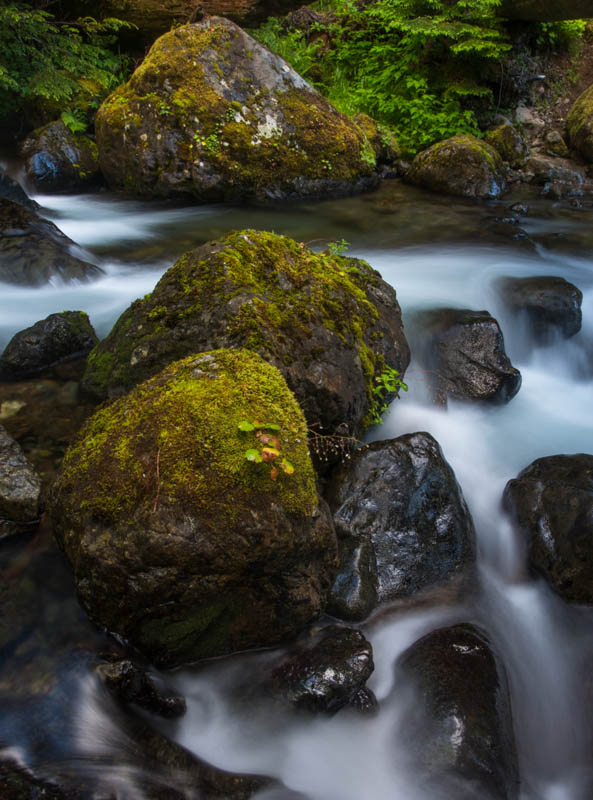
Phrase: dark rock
x=57 y=160
x=18 y=783
x=551 y=501
x=212 y=114
x=557 y=177
x=19 y=485
x=403 y=495
x=465 y=351
x=13 y=191
x=462 y=165
x=460 y=729
x=551 y=305
x=180 y=542
x=59 y=337
x=354 y=593
x=509 y=144
x=326 y=675
x=555 y=144
x=34 y=251
x=364 y=702
x=329 y=324
x=129 y=683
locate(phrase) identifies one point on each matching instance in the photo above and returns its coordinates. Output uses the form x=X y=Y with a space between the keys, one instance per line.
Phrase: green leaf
x=287 y=466
x=246 y=426
x=253 y=455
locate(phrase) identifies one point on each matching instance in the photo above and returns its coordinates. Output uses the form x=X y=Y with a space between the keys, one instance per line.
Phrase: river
x=435 y=251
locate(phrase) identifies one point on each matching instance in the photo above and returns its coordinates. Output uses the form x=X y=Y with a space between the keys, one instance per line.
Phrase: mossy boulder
x=179 y=542
x=462 y=165
x=57 y=160
x=330 y=324
x=509 y=144
x=212 y=114
x=579 y=124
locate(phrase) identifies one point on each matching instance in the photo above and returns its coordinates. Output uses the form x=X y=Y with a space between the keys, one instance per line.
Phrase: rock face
x=13 y=191
x=461 y=730
x=34 y=251
x=551 y=305
x=19 y=485
x=402 y=496
x=546 y=10
x=461 y=165
x=53 y=339
x=579 y=123
x=181 y=542
x=212 y=114
x=57 y=160
x=328 y=323
x=552 y=503
x=509 y=144
x=326 y=675
x=466 y=351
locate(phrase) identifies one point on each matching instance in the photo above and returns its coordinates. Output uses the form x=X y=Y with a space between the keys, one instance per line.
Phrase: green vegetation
x=387 y=383
x=65 y=68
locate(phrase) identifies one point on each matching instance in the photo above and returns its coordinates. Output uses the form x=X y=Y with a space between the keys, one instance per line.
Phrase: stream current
x=435 y=251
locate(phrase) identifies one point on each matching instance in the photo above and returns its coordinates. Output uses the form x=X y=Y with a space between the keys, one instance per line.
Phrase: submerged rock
x=403 y=496
x=212 y=114
x=33 y=251
x=460 y=730
x=329 y=324
x=56 y=338
x=465 y=351
x=551 y=501
x=189 y=512
x=57 y=160
x=462 y=165
x=20 y=487
x=551 y=305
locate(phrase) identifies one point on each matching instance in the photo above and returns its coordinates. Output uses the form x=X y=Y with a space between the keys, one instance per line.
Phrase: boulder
x=462 y=165
x=402 y=495
x=57 y=160
x=211 y=114
x=19 y=485
x=464 y=350
x=509 y=144
x=551 y=305
x=557 y=177
x=460 y=729
x=56 y=338
x=13 y=191
x=33 y=251
x=329 y=324
x=324 y=675
x=555 y=145
x=551 y=502
x=189 y=512
x=579 y=124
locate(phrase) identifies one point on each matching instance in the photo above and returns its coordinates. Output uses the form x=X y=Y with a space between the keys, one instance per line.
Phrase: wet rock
x=59 y=337
x=509 y=144
x=180 y=541
x=460 y=729
x=354 y=593
x=13 y=191
x=18 y=783
x=403 y=495
x=327 y=323
x=557 y=177
x=579 y=124
x=364 y=702
x=462 y=165
x=551 y=305
x=214 y=115
x=129 y=683
x=33 y=251
x=551 y=501
x=19 y=485
x=465 y=351
x=326 y=675
x=57 y=160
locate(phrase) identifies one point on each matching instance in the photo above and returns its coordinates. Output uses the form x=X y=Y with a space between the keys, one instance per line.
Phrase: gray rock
x=19 y=485
x=551 y=305
x=13 y=191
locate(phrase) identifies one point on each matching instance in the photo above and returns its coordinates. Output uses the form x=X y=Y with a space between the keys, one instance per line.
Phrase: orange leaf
x=273 y=473
x=269 y=454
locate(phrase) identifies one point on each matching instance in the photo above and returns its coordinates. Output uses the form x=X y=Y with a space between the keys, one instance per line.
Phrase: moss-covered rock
x=462 y=165
x=212 y=114
x=57 y=160
x=509 y=144
x=579 y=124
x=179 y=542
x=330 y=324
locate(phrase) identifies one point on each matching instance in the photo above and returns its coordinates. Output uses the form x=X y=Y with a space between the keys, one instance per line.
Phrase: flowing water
x=435 y=252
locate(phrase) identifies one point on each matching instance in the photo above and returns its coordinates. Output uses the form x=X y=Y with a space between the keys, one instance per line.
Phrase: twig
x=158 y=480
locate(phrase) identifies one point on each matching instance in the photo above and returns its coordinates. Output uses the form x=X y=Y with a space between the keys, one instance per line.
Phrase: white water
x=349 y=757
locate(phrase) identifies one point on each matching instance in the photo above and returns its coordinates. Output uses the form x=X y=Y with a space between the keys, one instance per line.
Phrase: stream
x=435 y=251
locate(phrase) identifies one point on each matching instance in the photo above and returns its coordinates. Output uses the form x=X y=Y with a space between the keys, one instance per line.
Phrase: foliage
x=67 y=66
x=387 y=383
x=338 y=248
x=291 y=45
x=268 y=450
x=565 y=35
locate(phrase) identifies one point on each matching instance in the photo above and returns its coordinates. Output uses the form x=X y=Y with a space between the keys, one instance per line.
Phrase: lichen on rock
x=178 y=542
x=214 y=115
x=579 y=124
